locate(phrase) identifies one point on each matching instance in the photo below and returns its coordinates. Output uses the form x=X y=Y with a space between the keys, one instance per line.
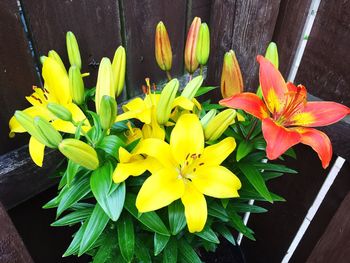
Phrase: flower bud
x=203 y=44
x=163 y=48
x=231 y=77
x=208 y=117
x=166 y=100
x=79 y=152
x=191 y=63
x=218 y=125
x=104 y=84
x=192 y=87
x=118 y=70
x=76 y=85
x=27 y=123
x=73 y=50
x=53 y=54
x=108 y=111
x=51 y=135
x=42 y=59
x=60 y=111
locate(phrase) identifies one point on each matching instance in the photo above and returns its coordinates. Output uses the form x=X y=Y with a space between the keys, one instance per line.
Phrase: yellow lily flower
x=188 y=171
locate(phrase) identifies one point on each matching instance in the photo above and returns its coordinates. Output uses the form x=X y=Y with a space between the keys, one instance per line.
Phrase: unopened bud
x=76 y=85
x=231 y=76
x=192 y=87
x=218 y=125
x=51 y=135
x=166 y=100
x=60 y=111
x=73 y=50
x=191 y=63
x=163 y=48
x=108 y=111
x=203 y=44
x=208 y=117
x=104 y=84
x=118 y=70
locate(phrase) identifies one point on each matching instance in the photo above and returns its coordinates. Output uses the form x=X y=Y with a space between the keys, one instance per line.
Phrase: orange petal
x=319 y=142
x=319 y=113
x=273 y=86
x=248 y=102
x=278 y=138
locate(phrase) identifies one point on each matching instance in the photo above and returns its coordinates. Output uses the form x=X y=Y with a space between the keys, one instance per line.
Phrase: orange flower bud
x=231 y=77
x=191 y=62
x=163 y=48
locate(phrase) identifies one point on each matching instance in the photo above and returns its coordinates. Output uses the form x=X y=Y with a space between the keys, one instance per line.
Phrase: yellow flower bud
x=208 y=117
x=191 y=63
x=53 y=54
x=51 y=135
x=42 y=59
x=79 y=152
x=76 y=85
x=203 y=44
x=231 y=77
x=60 y=111
x=73 y=50
x=108 y=111
x=163 y=48
x=192 y=87
x=118 y=70
x=104 y=84
x=218 y=125
x=166 y=100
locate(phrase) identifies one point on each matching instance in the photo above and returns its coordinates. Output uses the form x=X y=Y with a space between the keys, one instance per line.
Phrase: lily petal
x=248 y=102
x=319 y=113
x=64 y=126
x=187 y=137
x=36 y=151
x=273 y=86
x=195 y=208
x=137 y=109
x=278 y=138
x=319 y=142
x=216 y=181
x=159 y=190
x=215 y=154
x=183 y=102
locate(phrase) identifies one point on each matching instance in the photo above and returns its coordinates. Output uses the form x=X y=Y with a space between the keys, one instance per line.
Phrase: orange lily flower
x=287 y=116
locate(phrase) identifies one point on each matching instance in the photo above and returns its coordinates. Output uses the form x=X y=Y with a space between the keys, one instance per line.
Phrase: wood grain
x=200 y=8
x=140 y=20
x=17 y=70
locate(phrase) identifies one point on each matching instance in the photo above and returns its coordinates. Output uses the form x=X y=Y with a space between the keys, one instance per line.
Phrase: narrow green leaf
x=105 y=251
x=126 y=237
x=72 y=170
x=218 y=211
x=100 y=182
x=260 y=144
x=204 y=90
x=97 y=223
x=149 y=219
x=73 y=218
x=274 y=167
x=244 y=207
x=176 y=215
x=142 y=252
x=271 y=175
x=247 y=194
x=110 y=144
x=255 y=178
x=187 y=253
x=170 y=253
x=75 y=244
x=208 y=234
x=243 y=149
x=239 y=225
x=226 y=233
x=291 y=153
x=160 y=242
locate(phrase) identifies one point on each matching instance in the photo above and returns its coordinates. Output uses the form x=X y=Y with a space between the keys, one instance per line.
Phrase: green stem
x=251 y=129
x=239 y=127
x=168 y=75
x=201 y=70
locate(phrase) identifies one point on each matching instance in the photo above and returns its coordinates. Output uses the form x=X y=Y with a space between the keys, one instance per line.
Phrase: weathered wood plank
x=12 y=249
x=200 y=8
x=289 y=26
x=247 y=28
x=140 y=20
x=95 y=23
x=17 y=70
x=334 y=245
x=21 y=179
x=324 y=67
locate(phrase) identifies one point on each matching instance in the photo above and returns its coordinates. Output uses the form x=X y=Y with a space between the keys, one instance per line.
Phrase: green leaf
x=255 y=178
x=291 y=153
x=243 y=149
x=110 y=144
x=238 y=224
x=274 y=167
x=73 y=218
x=170 y=253
x=126 y=237
x=218 y=211
x=78 y=190
x=226 y=233
x=244 y=207
x=187 y=253
x=160 y=242
x=75 y=244
x=176 y=215
x=105 y=251
x=97 y=223
x=120 y=126
x=100 y=182
x=204 y=90
x=247 y=194
x=132 y=145
x=208 y=234
x=149 y=219
x=260 y=144
x=72 y=170
x=141 y=252
x=271 y=175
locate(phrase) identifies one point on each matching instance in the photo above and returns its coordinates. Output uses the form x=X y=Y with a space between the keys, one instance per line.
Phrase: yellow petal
x=153 y=130
x=195 y=208
x=159 y=190
x=187 y=137
x=36 y=151
x=216 y=181
x=64 y=126
x=77 y=114
x=215 y=154
x=124 y=170
x=183 y=102
x=137 y=109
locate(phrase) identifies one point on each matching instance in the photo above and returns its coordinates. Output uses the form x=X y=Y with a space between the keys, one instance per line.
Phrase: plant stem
x=251 y=129
x=168 y=75
x=201 y=70
x=239 y=127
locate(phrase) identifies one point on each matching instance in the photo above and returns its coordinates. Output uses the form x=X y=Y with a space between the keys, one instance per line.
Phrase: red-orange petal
x=319 y=113
x=278 y=138
x=319 y=142
x=273 y=86
x=248 y=102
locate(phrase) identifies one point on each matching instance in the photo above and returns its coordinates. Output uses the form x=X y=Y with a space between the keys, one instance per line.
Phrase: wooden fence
x=246 y=26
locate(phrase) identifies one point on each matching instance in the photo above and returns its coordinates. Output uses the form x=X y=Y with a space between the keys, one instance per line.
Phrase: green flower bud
x=192 y=87
x=76 y=85
x=104 y=84
x=218 y=125
x=203 y=44
x=73 y=50
x=118 y=70
x=60 y=111
x=208 y=117
x=51 y=135
x=108 y=111
x=80 y=153
x=166 y=100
